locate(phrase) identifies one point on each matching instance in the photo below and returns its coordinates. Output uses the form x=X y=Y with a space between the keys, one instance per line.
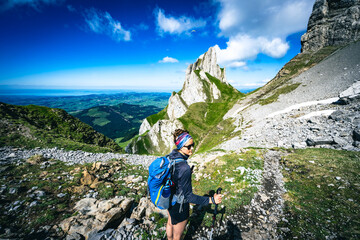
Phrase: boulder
x=87 y=178
x=352 y=91
x=337 y=115
x=299 y=145
x=319 y=141
x=96 y=215
x=145 y=208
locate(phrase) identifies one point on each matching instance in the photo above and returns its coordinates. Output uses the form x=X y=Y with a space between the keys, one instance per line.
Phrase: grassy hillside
x=120 y=122
x=322 y=199
x=205 y=120
x=34 y=126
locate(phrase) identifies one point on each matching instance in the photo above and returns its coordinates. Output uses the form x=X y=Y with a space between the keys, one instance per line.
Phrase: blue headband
x=182 y=139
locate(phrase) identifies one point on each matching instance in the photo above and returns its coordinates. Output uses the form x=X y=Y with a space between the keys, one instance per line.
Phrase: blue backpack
x=159 y=181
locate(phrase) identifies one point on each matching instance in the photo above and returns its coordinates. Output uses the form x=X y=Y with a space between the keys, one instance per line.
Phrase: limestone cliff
x=205 y=82
x=332 y=23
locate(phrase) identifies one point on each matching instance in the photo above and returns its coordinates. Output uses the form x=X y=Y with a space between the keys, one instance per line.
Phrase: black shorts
x=177 y=216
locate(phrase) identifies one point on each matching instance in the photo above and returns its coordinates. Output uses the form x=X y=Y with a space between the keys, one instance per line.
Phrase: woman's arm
x=186 y=187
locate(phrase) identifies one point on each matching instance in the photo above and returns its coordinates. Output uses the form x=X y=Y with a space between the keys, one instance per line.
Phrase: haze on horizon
x=144 y=45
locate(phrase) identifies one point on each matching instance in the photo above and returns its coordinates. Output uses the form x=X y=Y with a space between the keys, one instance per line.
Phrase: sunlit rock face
x=176 y=107
x=197 y=88
x=332 y=22
x=145 y=126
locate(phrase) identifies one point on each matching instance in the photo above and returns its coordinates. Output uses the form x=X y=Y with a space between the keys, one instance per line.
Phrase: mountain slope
x=199 y=107
x=315 y=89
x=36 y=126
x=120 y=122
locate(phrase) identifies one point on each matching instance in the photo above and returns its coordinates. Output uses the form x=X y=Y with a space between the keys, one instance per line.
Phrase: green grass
x=101 y=121
x=278 y=92
x=228 y=93
x=205 y=123
x=323 y=194
x=152 y=119
x=54 y=179
x=239 y=191
x=47 y=127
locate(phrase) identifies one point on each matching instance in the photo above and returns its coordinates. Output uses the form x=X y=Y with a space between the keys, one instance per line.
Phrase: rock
x=138 y=179
x=61 y=195
x=36 y=159
x=39 y=194
x=74 y=236
x=96 y=166
x=13 y=190
x=337 y=115
x=199 y=86
x=96 y=215
x=319 y=141
x=87 y=178
x=176 y=107
x=95 y=183
x=340 y=141
x=227 y=179
x=352 y=91
x=331 y=23
x=144 y=208
x=79 y=189
x=159 y=135
x=356 y=134
x=299 y=145
x=145 y=126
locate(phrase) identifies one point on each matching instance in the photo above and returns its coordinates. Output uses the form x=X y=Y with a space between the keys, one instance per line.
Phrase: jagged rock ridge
x=204 y=81
x=332 y=23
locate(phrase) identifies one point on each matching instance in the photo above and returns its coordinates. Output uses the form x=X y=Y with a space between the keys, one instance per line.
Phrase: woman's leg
x=178 y=229
x=169 y=228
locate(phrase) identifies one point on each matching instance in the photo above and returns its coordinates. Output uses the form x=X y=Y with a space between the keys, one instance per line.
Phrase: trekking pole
x=214 y=216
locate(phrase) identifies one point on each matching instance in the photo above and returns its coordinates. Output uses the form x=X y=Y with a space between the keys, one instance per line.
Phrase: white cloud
x=237 y=64
x=168 y=60
x=103 y=23
x=259 y=26
x=36 y=4
x=172 y=25
x=244 y=47
x=276 y=18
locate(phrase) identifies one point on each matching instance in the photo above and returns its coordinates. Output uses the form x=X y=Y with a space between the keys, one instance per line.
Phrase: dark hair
x=178 y=132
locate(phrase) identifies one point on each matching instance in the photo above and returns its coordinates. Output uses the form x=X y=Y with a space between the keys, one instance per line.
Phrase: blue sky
x=145 y=45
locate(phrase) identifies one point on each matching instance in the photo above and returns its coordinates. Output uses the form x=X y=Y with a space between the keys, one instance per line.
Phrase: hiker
x=179 y=213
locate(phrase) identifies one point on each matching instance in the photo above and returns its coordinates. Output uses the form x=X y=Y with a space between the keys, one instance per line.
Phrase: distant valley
x=117 y=116
x=120 y=122
x=74 y=103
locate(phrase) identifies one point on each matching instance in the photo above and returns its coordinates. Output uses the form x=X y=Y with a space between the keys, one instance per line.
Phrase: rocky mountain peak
x=198 y=87
x=204 y=82
x=332 y=22
x=207 y=62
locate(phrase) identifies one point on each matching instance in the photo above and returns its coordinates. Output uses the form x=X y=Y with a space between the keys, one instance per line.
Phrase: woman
x=179 y=213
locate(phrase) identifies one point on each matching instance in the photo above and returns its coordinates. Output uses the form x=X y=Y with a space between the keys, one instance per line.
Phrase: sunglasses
x=189 y=146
